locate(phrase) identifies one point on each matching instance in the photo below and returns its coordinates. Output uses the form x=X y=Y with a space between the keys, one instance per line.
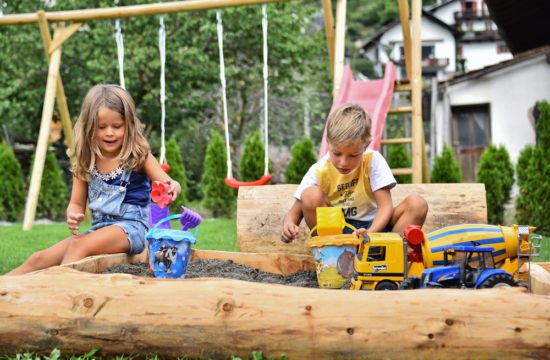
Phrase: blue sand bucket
x=169 y=249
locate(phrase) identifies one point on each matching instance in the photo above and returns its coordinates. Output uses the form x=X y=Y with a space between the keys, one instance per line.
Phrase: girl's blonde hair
x=349 y=124
x=135 y=148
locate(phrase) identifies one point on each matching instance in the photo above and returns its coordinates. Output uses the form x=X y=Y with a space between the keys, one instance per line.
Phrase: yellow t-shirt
x=354 y=191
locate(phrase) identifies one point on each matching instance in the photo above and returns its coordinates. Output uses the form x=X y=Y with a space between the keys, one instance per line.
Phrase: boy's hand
x=73 y=221
x=290 y=231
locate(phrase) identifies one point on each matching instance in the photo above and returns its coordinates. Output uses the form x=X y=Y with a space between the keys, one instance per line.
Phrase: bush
x=12 y=196
x=398 y=158
x=533 y=203
x=497 y=173
x=523 y=164
x=52 y=201
x=176 y=172
x=252 y=164
x=218 y=197
x=303 y=157
x=446 y=168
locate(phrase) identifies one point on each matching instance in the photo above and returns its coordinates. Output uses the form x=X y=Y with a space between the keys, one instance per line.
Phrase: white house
x=479 y=44
x=493 y=105
x=457 y=36
x=438 y=47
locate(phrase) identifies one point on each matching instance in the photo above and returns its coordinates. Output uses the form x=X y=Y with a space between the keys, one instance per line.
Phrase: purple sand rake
x=189 y=219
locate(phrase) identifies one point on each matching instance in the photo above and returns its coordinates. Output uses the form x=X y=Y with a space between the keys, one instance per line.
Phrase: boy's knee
x=313 y=197
x=417 y=204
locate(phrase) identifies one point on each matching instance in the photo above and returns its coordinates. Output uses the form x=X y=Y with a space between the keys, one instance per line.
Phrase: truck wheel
x=498 y=280
x=410 y=283
x=386 y=285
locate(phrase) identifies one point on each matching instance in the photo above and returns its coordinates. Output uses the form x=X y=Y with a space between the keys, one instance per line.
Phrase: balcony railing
x=431 y=63
x=471 y=15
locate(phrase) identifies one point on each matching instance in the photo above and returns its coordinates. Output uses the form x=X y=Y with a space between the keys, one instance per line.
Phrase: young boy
x=354 y=178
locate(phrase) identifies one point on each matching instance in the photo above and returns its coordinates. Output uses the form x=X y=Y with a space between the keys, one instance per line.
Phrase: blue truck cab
x=469 y=267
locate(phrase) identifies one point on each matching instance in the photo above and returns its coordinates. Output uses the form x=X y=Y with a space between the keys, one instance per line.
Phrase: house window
x=428 y=52
x=471 y=134
x=459 y=51
x=502 y=49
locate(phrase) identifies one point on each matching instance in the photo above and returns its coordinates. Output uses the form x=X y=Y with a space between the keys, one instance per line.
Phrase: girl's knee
x=37 y=259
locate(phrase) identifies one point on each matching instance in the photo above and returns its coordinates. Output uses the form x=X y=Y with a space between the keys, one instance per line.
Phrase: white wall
x=482 y=54
x=510 y=93
x=432 y=34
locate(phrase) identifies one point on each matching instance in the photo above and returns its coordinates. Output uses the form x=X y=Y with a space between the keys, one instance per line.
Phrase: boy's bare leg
x=312 y=198
x=411 y=211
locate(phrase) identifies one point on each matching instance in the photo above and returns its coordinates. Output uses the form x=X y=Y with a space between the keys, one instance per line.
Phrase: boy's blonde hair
x=349 y=124
x=135 y=148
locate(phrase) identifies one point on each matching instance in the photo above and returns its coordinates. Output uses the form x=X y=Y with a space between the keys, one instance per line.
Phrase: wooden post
x=329 y=30
x=60 y=92
x=339 y=46
x=406 y=30
x=416 y=92
x=42 y=143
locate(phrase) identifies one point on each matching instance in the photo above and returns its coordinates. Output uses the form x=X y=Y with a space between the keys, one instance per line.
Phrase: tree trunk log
x=261 y=209
x=74 y=311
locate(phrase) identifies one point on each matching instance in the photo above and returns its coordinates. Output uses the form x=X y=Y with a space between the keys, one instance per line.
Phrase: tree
x=533 y=203
x=497 y=173
x=446 y=168
x=303 y=157
x=52 y=200
x=252 y=163
x=218 y=197
x=176 y=172
x=12 y=196
x=399 y=157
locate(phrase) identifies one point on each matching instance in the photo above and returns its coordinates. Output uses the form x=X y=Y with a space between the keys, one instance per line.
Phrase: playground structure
x=74 y=308
x=335 y=34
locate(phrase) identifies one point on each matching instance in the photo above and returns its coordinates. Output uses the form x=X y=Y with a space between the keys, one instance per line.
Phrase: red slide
x=373 y=95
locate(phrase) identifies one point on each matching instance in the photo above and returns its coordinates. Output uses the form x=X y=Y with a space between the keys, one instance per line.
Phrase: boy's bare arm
x=291 y=222
x=385 y=210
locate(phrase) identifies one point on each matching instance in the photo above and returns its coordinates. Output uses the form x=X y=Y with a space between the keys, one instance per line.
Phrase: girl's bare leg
x=44 y=258
x=108 y=240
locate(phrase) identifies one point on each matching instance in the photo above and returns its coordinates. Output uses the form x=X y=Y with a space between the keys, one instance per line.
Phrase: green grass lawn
x=16 y=245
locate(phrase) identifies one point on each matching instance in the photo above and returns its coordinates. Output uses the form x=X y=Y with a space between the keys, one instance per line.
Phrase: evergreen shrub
x=252 y=163
x=497 y=173
x=218 y=197
x=446 y=168
x=398 y=158
x=176 y=172
x=52 y=201
x=303 y=157
x=533 y=203
x=12 y=196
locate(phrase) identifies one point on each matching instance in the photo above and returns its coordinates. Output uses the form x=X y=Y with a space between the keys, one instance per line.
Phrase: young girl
x=112 y=168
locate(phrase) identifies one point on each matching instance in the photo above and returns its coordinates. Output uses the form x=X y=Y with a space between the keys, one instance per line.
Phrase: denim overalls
x=108 y=208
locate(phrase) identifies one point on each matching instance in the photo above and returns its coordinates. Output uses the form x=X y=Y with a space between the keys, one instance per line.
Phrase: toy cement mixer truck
x=383 y=260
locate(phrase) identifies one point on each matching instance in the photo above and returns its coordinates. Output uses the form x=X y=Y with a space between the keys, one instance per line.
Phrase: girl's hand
x=73 y=221
x=175 y=188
